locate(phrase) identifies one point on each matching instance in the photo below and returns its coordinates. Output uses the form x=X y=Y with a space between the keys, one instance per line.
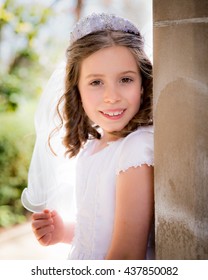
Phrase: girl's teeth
x=111 y=114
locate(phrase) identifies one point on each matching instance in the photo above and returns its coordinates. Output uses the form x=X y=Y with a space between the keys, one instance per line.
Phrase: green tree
x=23 y=22
x=16 y=144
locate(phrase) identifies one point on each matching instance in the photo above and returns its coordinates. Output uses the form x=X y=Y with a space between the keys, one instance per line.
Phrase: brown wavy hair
x=78 y=127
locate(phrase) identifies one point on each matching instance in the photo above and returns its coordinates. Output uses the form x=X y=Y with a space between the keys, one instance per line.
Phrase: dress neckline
x=108 y=144
x=90 y=146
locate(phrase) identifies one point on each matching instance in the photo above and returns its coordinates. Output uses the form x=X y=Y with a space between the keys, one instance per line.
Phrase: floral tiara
x=101 y=22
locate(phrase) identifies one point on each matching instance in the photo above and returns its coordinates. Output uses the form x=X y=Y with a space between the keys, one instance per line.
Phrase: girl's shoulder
x=143 y=136
x=136 y=149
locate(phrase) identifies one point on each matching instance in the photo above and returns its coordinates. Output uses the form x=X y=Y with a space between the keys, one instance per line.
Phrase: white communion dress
x=96 y=191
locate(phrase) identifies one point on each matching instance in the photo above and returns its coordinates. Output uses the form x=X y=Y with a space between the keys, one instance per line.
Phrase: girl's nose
x=111 y=95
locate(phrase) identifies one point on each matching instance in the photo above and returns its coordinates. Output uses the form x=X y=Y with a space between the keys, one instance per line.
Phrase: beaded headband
x=101 y=22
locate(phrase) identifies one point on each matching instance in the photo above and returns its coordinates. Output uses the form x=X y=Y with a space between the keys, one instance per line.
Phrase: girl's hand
x=48 y=227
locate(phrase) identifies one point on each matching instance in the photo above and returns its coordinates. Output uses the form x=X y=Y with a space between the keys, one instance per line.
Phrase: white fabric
x=96 y=187
x=50 y=178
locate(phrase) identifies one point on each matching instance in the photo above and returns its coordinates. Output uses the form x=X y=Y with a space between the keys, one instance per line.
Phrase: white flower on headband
x=101 y=22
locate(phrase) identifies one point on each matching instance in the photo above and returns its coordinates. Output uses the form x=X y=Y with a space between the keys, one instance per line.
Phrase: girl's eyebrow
x=101 y=75
x=129 y=72
x=94 y=76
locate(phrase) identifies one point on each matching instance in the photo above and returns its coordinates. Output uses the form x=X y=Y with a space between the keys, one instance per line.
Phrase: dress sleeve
x=137 y=149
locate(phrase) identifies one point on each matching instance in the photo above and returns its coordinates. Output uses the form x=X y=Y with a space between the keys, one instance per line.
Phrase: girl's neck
x=104 y=142
x=108 y=137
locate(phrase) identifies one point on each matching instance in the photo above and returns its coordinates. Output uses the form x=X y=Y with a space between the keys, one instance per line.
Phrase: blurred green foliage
x=20 y=85
x=23 y=22
x=16 y=144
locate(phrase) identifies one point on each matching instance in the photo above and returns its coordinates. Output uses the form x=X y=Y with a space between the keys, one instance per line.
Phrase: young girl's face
x=110 y=86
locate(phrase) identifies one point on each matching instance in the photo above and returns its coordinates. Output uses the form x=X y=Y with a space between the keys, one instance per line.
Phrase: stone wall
x=181 y=128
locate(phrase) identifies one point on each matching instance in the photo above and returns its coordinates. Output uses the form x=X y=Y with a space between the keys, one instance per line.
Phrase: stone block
x=179 y=9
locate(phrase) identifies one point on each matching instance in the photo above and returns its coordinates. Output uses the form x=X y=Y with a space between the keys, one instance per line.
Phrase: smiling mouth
x=114 y=114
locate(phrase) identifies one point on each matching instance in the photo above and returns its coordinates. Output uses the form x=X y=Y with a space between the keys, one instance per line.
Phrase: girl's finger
x=53 y=213
x=45 y=240
x=37 y=224
x=43 y=231
x=41 y=215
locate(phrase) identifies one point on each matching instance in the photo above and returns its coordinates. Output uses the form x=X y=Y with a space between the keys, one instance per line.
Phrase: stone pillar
x=181 y=128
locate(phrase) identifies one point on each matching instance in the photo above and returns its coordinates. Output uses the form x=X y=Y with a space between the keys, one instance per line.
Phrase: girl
x=106 y=113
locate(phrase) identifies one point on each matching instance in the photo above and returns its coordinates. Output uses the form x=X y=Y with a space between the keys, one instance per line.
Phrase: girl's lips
x=113 y=114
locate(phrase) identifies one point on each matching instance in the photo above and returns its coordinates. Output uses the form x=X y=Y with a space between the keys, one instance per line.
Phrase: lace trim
x=125 y=168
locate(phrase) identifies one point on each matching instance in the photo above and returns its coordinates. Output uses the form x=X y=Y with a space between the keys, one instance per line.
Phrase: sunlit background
x=33 y=38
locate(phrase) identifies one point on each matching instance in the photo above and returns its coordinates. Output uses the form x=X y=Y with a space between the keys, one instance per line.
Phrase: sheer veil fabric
x=51 y=178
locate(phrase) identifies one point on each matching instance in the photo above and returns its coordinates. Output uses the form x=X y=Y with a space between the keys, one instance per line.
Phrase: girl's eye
x=126 y=80
x=96 y=83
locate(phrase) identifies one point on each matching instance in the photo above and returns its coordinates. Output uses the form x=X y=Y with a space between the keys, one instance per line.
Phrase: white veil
x=51 y=178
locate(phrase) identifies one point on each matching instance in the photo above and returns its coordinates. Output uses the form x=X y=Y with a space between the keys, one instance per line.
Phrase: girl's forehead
x=111 y=57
